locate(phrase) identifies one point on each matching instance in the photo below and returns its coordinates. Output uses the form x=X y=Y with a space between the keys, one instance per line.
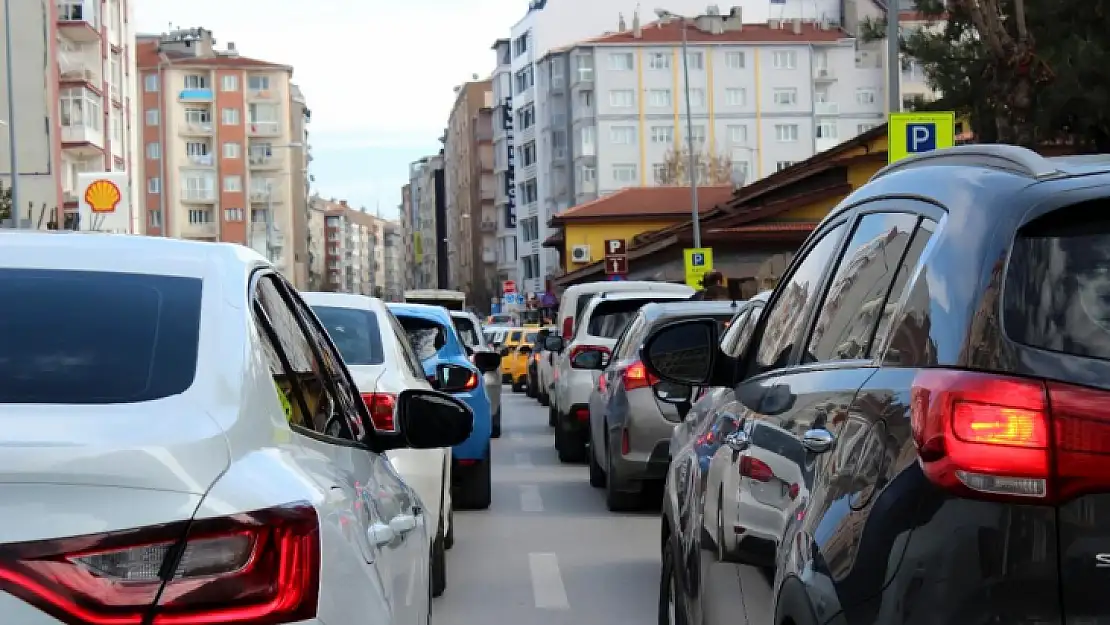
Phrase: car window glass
x=415 y=367
x=910 y=261
x=743 y=321
x=300 y=369
x=530 y=337
x=355 y=333
x=787 y=316
x=858 y=289
x=425 y=336
x=609 y=318
x=625 y=344
x=467 y=332
x=90 y=337
x=514 y=337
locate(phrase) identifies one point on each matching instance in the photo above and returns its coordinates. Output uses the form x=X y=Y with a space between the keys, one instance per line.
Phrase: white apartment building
x=504 y=162
x=81 y=113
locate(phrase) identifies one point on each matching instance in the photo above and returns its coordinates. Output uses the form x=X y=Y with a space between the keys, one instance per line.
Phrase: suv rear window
x=425 y=336
x=355 y=333
x=1057 y=294
x=609 y=318
x=467 y=332
x=89 y=337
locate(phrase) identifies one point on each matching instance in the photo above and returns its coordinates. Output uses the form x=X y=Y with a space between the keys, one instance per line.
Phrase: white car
x=470 y=331
x=183 y=444
x=382 y=363
x=600 y=324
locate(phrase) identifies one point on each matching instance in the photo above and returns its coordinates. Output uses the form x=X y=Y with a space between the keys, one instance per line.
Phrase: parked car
x=437 y=345
x=518 y=357
x=630 y=428
x=938 y=347
x=495 y=335
x=474 y=340
x=183 y=443
x=545 y=368
x=532 y=382
x=602 y=321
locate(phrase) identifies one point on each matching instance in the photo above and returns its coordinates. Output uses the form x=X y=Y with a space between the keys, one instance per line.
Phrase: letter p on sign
x=921 y=138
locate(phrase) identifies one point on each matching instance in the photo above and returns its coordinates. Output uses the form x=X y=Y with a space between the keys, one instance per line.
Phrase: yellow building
x=624 y=215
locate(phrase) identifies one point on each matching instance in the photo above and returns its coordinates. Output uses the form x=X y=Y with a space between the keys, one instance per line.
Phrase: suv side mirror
x=593 y=359
x=554 y=343
x=671 y=393
x=683 y=352
x=487 y=361
x=430 y=419
x=454 y=378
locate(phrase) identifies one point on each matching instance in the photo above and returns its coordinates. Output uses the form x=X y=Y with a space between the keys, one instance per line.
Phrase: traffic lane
x=547 y=550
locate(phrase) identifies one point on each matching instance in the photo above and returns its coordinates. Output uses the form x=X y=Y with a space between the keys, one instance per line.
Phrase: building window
x=233 y=184
x=786 y=97
x=781 y=165
x=524 y=80
x=232 y=150
x=625 y=173
x=586 y=174
x=258 y=83
x=531 y=266
x=739 y=171
x=200 y=216
x=698 y=135
x=826 y=130
x=150 y=83
x=697 y=98
x=738 y=134
x=530 y=229
x=586 y=99
x=198 y=116
x=662 y=134
x=80 y=107
x=785 y=59
x=529 y=192
x=230 y=82
x=233 y=214
x=622 y=98
x=786 y=132
x=196 y=81
x=661 y=173
x=528 y=154
x=736 y=97
x=154 y=185
x=621 y=61
x=623 y=135
x=659 y=60
x=865 y=96
x=695 y=60
x=154 y=151
x=196 y=148
x=734 y=60
x=520 y=45
x=152 y=117
x=862 y=128
x=154 y=218
x=230 y=117
x=526 y=117
x=660 y=98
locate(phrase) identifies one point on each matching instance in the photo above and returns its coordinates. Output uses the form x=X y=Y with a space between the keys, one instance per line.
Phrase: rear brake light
x=602 y=385
x=248 y=569
x=580 y=348
x=636 y=376
x=1081 y=431
x=582 y=414
x=381 y=407
x=793 y=491
x=568 y=328
x=471 y=382
x=756 y=469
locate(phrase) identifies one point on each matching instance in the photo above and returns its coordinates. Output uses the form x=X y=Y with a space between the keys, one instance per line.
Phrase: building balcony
x=77 y=23
x=825 y=143
x=198 y=196
x=196 y=129
x=261 y=161
x=202 y=160
x=582 y=75
x=74 y=68
x=205 y=230
x=262 y=95
x=826 y=108
x=195 y=95
x=264 y=129
x=823 y=74
x=264 y=196
x=83 y=141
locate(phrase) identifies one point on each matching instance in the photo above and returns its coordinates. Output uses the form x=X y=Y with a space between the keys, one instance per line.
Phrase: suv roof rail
x=1011 y=158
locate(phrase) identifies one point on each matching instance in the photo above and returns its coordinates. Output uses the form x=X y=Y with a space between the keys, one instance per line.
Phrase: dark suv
x=940 y=350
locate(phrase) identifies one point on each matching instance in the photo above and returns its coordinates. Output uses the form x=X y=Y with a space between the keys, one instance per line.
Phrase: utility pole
x=693 y=175
x=270 y=221
x=13 y=157
x=894 y=62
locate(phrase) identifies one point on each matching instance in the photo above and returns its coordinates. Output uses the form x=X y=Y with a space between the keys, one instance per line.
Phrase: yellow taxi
x=517 y=358
x=509 y=344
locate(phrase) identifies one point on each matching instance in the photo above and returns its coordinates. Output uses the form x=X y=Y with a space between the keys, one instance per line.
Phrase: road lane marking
x=523 y=460
x=547 y=582
x=530 y=500
x=516 y=436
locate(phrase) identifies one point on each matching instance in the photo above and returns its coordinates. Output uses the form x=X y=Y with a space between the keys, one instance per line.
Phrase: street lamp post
x=270 y=206
x=894 y=62
x=12 y=147
x=693 y=163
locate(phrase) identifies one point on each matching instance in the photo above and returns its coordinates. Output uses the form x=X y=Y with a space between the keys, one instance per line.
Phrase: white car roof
x=342 y=300
x=627 y=295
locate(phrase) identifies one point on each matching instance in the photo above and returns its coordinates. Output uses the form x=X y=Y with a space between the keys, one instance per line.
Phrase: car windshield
x=425 y=336
x=90 y=337
x=530 y=338
x=467 y=332
x=355 y=333
x=514 y=337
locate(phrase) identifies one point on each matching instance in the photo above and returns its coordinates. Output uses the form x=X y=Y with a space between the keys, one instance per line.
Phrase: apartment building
x=503 y=162
x=317 y=244
x=300 y=156
x=221 y=161
x=393 y=266
x=469 y=181
x=354 y=253
x=75 y=107
x=425 y=225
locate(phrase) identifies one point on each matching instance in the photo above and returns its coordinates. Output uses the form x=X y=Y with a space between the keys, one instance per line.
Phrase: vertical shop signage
x=510 y=170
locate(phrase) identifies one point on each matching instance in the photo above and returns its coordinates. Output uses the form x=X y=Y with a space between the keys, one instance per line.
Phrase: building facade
x=75 y=103
x=317 y=245
x=354 y=252
x=503 y=162
x=219 y=145
x=468 y=174
x=393 y=267
x=425 y=226
x=300 y=153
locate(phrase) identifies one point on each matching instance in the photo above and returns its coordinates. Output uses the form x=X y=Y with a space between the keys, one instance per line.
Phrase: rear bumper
x=643 y=466
x=576 y=421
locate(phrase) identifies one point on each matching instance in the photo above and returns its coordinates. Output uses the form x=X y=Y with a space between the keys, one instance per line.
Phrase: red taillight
x=471 y=382
x=257 y=568
x=755 y=469
x=602 y=385
x=636 y=376
x=793 y=492
x=581 y=348
x=568 y=328
x=705 y=439
x=381 y=407
x=582 y=414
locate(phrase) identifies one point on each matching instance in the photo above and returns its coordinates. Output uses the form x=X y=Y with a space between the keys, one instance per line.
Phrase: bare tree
x=715 y=169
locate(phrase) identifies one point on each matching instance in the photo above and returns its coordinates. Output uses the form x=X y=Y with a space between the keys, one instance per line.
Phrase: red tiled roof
x=647 y=202
x=147 y=56
x=671 y=32
x=781 y=226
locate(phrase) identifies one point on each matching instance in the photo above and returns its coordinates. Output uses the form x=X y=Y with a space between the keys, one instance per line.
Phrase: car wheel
x=476 y=493
x=552 y=417
x=597 y=474
x=449 y=538
x=438 y=568
x=571 y=450
x=672 y=609
x=495 y=425
x=616 y=500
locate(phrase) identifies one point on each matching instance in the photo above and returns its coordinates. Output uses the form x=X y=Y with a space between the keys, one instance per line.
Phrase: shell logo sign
x=103 y=196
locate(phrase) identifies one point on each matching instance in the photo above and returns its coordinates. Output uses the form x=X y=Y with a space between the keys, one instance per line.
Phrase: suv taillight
x=568 y=328
x=381 y=407
x=246 y=569
x=756 y=469
x=990 y=436
x=637 y=376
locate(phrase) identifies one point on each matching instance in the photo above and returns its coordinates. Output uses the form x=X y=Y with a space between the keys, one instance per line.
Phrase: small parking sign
x=917 y=133
x=697 y=259
x=921 y=138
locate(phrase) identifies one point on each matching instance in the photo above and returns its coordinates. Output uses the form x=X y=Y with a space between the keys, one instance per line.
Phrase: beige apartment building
x=354 y=254
x=223 y=159
x=392 y=267
x=470 y=192
x=77 y=116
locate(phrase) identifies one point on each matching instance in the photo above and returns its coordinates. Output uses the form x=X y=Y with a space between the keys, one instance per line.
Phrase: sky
x=378 y=75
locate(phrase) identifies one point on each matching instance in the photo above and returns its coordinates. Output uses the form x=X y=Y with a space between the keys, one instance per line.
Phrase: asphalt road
x=547 y=551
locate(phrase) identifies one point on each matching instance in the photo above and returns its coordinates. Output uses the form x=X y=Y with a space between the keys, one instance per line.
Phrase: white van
x=575 y=298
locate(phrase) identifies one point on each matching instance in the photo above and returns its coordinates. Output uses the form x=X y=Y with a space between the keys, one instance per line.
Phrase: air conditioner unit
x=580 y=254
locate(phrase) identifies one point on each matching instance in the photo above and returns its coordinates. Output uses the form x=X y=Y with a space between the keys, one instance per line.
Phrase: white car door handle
x=380 y=534
x=402 y=524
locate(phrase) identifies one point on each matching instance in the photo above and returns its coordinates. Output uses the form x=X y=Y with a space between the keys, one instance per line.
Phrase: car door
x=625 y=350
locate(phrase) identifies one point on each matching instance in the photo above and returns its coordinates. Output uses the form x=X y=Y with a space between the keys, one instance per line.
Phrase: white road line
x=516 y=436
x=530 y=500
x=523 y=460
x=547 y=582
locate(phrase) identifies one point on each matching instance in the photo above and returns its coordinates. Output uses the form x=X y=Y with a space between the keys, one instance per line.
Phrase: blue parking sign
x=921 y=137
x=697 y=259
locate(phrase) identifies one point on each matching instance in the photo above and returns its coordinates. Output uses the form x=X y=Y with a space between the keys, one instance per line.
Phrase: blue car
x=440 y=350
